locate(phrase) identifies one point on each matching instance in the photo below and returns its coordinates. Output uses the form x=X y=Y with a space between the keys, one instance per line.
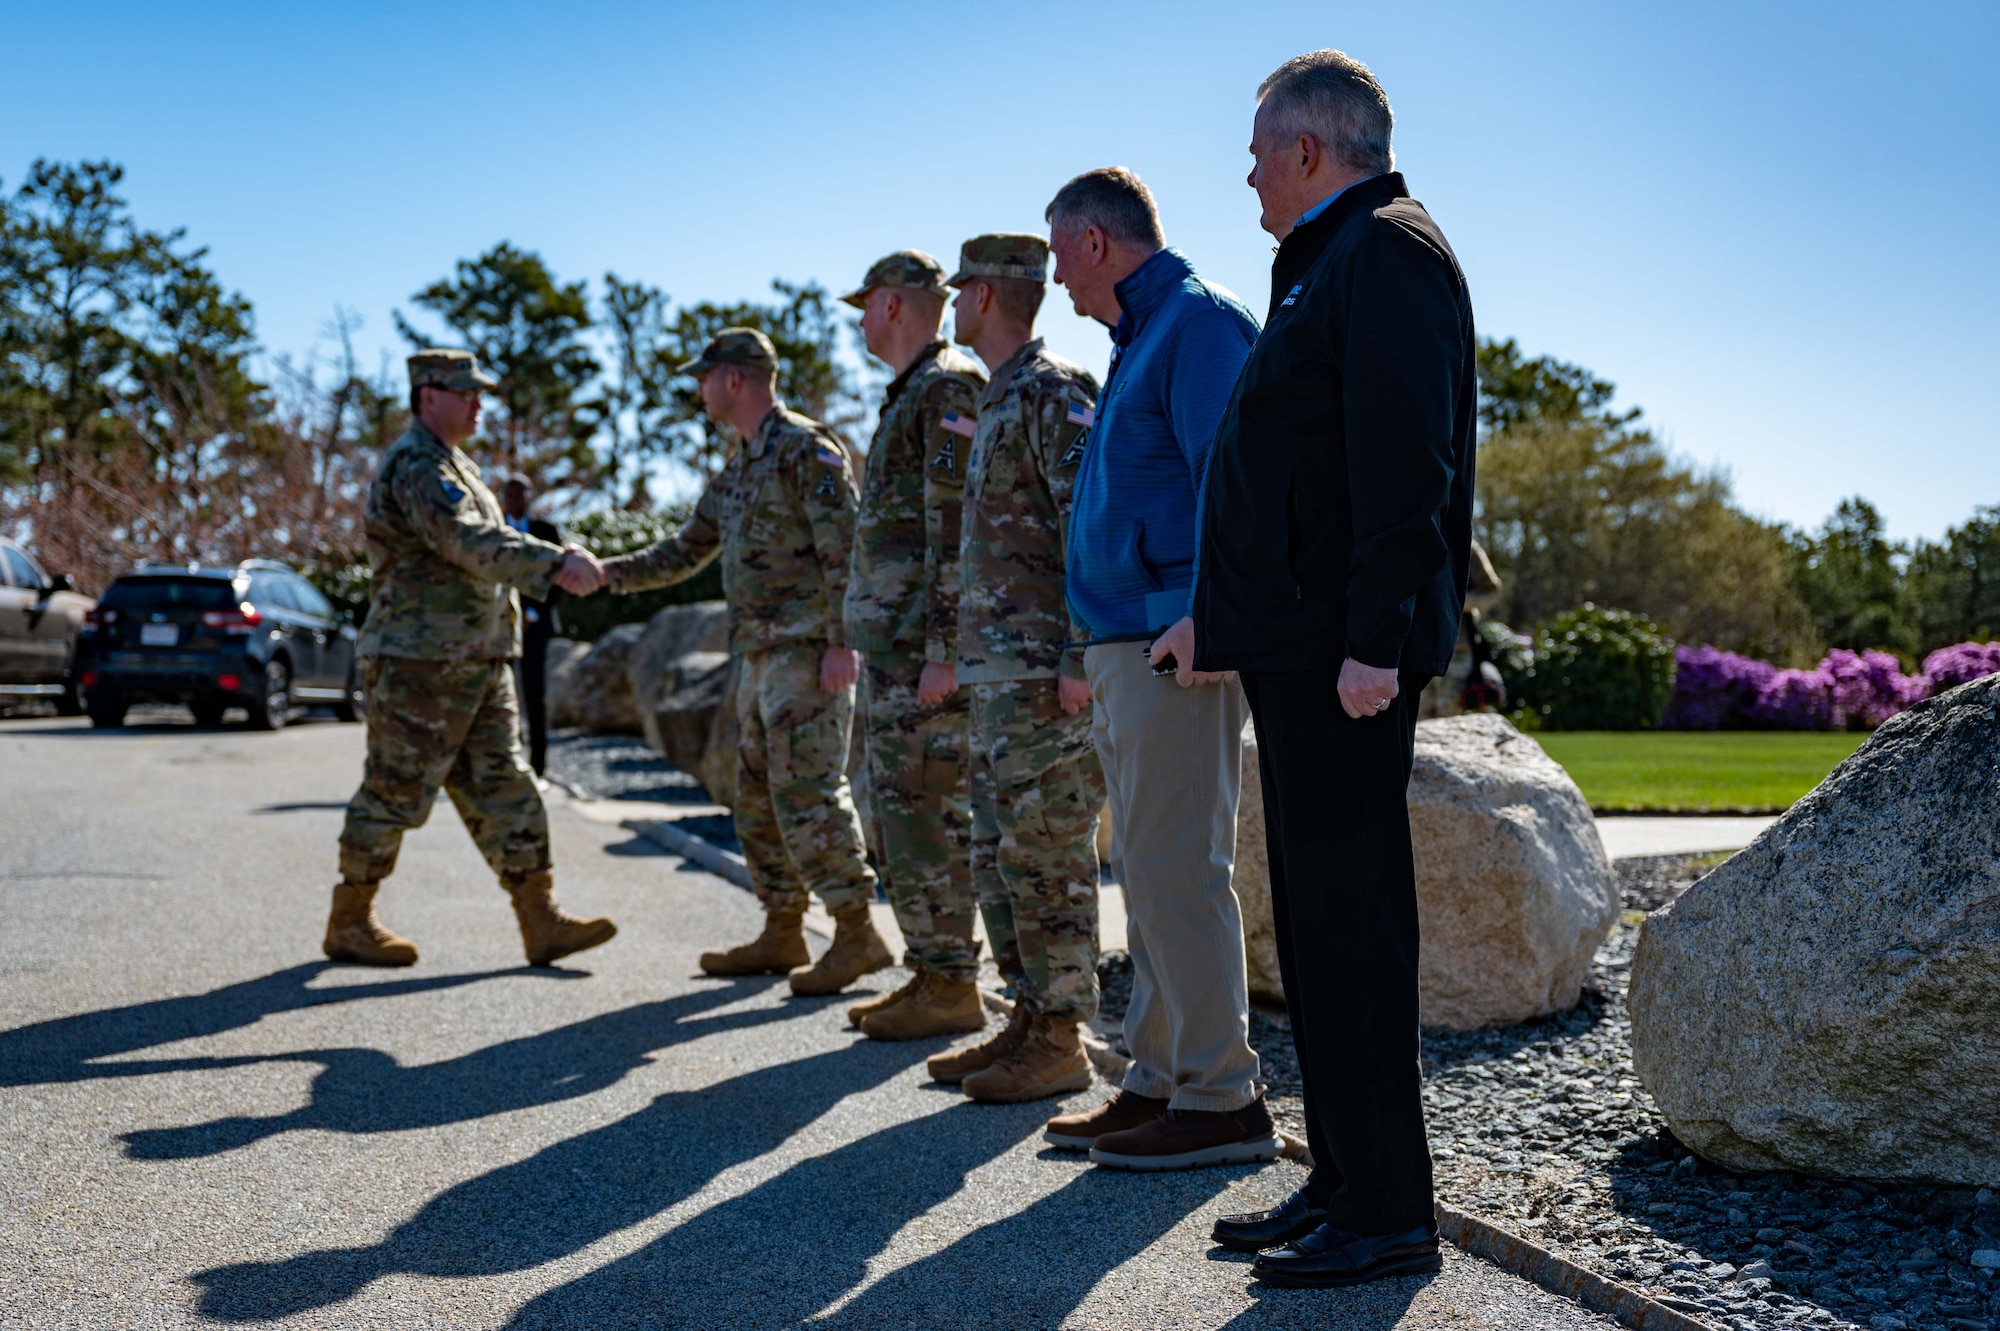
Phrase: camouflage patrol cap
x=911 y=269
x=442 y=367
x=734 y=346
x=1002 y=254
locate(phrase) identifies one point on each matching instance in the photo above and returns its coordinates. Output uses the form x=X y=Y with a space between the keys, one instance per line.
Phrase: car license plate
x=159 y=635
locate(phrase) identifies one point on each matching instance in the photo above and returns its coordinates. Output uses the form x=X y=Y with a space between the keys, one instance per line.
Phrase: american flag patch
x=958 y=424
x=831 y=456
x=1079 y=414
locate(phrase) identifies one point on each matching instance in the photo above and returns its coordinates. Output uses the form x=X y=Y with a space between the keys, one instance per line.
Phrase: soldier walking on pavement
x=902 y=612
x=437 y=650
x=1036 y=784
x=781 y=517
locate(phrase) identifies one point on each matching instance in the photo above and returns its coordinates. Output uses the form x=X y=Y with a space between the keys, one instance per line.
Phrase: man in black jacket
x=538 y=625
x=1335 y=535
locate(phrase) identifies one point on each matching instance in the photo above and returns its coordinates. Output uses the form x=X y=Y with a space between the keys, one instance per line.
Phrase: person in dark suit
x=1336 y=532
x=539 y=624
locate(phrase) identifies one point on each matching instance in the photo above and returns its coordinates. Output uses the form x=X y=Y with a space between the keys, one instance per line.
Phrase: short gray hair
x=1112 y=199
x=1335 y=98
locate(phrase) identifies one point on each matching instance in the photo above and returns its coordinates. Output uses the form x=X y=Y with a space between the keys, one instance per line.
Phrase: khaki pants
x=1173 y=764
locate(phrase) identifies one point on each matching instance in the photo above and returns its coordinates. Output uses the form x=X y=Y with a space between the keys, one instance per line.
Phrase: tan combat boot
x=954 y=1065
x=883 y=1001
x=548 y=932
x=1049 y=1061
x=780 y=948
x=939 y=1006
x=857 y=950
x=354 y=934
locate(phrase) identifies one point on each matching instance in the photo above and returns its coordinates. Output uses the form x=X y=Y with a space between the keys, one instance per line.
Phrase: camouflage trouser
x=916 y=757
x=794 y=812
x=455 y=724
x=1036 y=790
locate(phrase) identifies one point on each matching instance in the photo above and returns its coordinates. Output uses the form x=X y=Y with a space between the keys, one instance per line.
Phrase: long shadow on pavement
x=1037 y=1266
x=366 y=1090
x=797 y=1242
x=570 y=1195
x=63 y=1048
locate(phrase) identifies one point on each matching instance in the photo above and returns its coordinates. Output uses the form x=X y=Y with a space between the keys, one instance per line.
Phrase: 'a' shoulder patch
x=946 y=460
x=1073 y=455
x=829 y=485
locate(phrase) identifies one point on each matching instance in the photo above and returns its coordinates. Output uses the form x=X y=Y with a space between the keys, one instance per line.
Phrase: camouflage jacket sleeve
x=1058 y=425
x=824 y=482
x=450 y=519
x=944 y=506
x=680 y=556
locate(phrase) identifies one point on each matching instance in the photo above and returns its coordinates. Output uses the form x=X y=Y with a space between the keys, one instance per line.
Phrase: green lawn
x=1732 y=771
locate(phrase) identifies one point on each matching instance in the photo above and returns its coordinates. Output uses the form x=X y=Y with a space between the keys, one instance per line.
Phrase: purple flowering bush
x=1718 y=690
x=1949 y=667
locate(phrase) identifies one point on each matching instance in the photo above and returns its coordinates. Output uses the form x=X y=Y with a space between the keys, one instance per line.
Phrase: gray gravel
x=1544 y=1129
x=202 y=1123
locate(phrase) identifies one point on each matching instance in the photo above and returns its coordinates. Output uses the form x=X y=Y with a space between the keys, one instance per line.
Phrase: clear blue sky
x=1771 y=224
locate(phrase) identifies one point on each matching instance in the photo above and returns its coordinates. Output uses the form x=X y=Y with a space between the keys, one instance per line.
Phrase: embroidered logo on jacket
x=1292 y=296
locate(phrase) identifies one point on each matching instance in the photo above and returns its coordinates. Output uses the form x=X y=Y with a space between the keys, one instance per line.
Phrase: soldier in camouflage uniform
x=902 y=612
x=443 y=629
x=1036 y=784
x=780 y=515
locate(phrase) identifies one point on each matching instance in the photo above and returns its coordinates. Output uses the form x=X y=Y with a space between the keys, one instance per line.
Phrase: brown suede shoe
x=881 y=1001
x=354 y=934
x=955 y=1065
x=857 y=950
x=780 y=948
x=1187 y=1138
x=1079 y=1132
x=548 y=932
x=1049 y=1061
x=937 y=1006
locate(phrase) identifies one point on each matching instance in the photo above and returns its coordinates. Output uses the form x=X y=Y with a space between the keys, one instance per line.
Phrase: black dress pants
x=534 y=667
x=1344 y=898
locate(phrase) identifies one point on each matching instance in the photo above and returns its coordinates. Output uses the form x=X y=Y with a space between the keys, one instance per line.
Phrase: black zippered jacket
x=1337 y=512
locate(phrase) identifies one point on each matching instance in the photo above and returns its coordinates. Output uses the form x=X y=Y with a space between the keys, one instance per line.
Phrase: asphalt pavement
x=202 y=1122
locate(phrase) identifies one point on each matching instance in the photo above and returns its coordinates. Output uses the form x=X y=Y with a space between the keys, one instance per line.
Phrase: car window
x=307 y=598
x=161 y=593
x=269 y=589
x=19 y=571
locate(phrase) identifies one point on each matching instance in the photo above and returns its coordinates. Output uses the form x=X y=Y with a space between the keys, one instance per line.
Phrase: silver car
x=41 y=619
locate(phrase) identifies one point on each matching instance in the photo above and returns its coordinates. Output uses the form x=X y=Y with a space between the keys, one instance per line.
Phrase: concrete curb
x=1559 y=1275
x=720 y=862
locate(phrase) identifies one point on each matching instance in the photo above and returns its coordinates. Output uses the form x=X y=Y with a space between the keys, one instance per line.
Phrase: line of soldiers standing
x=945 y=571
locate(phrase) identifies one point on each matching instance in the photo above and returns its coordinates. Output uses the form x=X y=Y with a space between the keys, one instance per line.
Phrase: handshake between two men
x=581 y=573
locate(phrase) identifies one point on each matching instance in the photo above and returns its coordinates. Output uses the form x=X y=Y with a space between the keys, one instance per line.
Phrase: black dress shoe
x=1329 y=1257
x=1293 y=1218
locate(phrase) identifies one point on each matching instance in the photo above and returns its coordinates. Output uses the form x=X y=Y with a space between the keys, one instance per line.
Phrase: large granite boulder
x=595 y=693
x=1514 y=892
x=1828 y=1000
x=652 y=666
x=681 y=723
x=565 y=655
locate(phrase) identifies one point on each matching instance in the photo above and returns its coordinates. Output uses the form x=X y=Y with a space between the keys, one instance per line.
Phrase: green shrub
x=617 y=532
x=1600 y=670
x=342 y=578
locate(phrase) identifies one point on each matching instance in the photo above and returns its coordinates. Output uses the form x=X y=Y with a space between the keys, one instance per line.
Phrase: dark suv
x=257 y=636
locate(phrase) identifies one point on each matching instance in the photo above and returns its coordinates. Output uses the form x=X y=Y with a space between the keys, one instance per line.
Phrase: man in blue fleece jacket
x=1170 y=744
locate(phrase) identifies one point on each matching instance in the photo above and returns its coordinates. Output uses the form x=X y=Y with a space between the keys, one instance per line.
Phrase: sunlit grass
x=1736 y=771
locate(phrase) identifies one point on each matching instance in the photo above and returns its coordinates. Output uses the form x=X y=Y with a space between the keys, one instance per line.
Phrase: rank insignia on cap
x=1079 y=414
x=958 y=424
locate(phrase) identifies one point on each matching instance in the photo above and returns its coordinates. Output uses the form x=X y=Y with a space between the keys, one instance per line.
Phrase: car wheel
x=355 y=705
x=276 y=706
x=208 y=714
x=107 y=713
